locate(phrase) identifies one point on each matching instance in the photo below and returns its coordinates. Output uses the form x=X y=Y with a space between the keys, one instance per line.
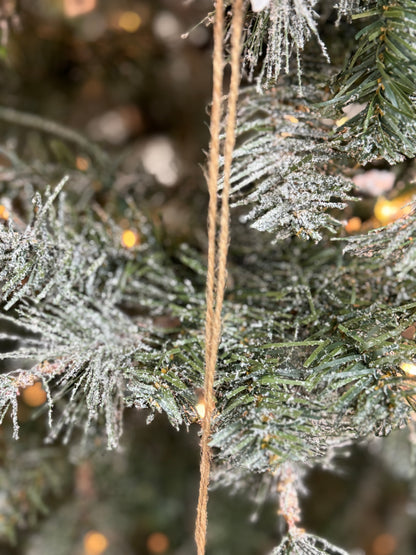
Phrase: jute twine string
x=217 y=250
x=213 y=166
x=213 y=171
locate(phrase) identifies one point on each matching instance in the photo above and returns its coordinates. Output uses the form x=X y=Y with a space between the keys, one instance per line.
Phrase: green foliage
x=278 y=31
x=29 y=476
x=393 y=243
x=315 y=343
x=318 y=363
x=348 y=7
x=297 y=376
x=284 y=167
x=59 y=136
x=381 y=77
x=306 y=544
x=94 y=359
x=51 y=257
x=91 y=356
x=321 y=380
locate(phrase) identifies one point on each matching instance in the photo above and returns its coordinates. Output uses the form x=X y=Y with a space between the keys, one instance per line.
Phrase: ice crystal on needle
x=306 y=544
x=285 y=26
x=66 y=287
x=283 y=168
x=84 y=348
x=394 y=243
x=347 y=7
x=47 y=256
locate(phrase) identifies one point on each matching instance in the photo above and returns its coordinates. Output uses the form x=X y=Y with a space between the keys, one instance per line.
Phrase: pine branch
x=68 y=288
x=318 y=381
x=43 y=258
x=32 y=121
x=364 y=368
x=30 y=259
x=346 y=8
x=284 y=167
x=306 y=544
x=281 y=29
x=394 y=243
x=55 y=254
x=381 y=76
x=29 y=476
x=94 y=361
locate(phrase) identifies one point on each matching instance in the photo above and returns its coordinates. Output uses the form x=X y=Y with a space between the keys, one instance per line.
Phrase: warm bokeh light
x=292 y=119
x=82 y=163
x=408 y=368
x=34 y=395
x=72 y=8
x=387 y=211
x=4 y=213
x=130 y=238
x=159 y=159
x=95 y=543
x=200 y=409
x=341 y=121
x=384 y=544
x=354 y=224
x=129 y=21
x=157 y=543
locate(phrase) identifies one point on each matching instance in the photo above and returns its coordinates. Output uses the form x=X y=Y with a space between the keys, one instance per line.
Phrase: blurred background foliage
x=119 y=73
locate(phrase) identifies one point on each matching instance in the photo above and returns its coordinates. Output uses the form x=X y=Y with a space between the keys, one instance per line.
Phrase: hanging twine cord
x=213 y=164
x=213 y=171
x=217 y=251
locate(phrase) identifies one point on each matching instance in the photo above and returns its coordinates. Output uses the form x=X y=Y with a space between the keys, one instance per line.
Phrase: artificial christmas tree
x=307 y=345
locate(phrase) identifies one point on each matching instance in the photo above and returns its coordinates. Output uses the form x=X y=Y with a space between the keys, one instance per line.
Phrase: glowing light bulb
x=157 y=543
x=341 y=121
x=82 y=163
x=408 y=368
x=4 y=213
x=354 y=224
x=129 y=239
x=387 y=211
x=129 y=21
x=34 y=395
x=292 y=119
x=95 y=543
x=73 y=8
x=201 y=409
x=384 y=544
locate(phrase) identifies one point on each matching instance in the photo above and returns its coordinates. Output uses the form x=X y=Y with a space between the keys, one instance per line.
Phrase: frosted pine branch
x=283 y=168
x=381 y=77
x=306 y=544
x=281 y=29
x=394 y=243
